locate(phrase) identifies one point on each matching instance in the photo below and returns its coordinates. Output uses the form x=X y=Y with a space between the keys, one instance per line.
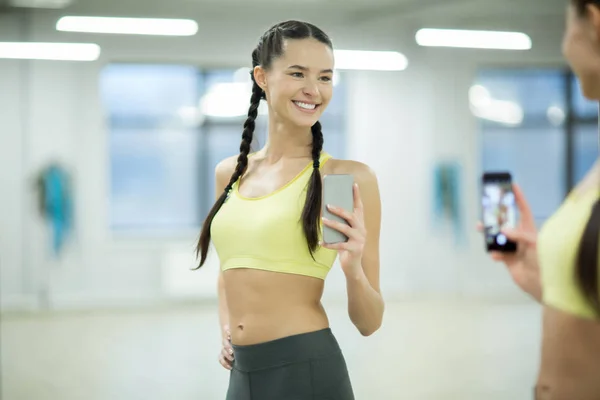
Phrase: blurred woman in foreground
x=559 y=267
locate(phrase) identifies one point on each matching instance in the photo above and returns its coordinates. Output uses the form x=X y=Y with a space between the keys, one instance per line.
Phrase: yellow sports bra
x=266 y=232
x=558 y=244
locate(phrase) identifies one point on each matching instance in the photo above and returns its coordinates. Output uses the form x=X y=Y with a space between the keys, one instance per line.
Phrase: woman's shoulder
x=226 y=166
x=362 y=172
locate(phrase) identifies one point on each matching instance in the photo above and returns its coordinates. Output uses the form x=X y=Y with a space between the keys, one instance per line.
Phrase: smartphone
x=499 y=210
x=337 y=191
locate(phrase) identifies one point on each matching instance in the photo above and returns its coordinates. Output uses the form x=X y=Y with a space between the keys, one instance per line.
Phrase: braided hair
x=271 y=46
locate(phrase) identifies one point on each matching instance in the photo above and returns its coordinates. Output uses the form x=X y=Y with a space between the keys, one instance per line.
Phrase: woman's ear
x=260 y=77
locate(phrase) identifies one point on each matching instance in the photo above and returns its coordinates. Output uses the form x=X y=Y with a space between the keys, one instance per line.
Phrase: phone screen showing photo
x=499 y=211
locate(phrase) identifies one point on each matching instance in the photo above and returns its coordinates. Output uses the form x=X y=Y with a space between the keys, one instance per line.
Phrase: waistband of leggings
x=286 y=350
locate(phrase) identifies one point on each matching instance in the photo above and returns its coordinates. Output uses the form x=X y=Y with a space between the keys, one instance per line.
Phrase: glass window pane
x=154 y=146
x=522 y=123
x=130 y=90
x=585 y=148
x=536 y=159
x=537 y=93
x=154 y=179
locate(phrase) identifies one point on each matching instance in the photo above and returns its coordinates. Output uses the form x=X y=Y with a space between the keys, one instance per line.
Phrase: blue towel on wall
x=447 y=202
x=57 y=205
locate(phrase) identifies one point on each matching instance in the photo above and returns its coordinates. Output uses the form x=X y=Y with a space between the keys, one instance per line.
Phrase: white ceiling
x=350 y=19
x=496 y=14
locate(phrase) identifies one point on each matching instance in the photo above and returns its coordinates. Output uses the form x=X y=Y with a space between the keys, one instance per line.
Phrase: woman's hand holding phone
x=350 y=251
x=522 y=264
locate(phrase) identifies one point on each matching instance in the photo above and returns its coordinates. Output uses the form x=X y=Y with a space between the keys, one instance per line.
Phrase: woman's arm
x=360 y=262
x=365 y=303
x=570 y=367
x=223 y=173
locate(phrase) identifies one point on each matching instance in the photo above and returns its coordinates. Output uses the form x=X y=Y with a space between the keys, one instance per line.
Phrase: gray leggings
x=308 y=366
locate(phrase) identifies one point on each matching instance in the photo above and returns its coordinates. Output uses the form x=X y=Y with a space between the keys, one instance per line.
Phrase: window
x=152 y=147
x=525 y=130
x=522 y=114
x=169 y=125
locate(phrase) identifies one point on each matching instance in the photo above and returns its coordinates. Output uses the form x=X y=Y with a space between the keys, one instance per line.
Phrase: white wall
x=13 y=278
x=399 y=123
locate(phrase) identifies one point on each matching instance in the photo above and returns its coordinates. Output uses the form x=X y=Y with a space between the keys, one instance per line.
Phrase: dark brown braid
x=311 y=213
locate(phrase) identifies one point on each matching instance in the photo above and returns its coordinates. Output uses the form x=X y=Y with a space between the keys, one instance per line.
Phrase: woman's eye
x=297 y=74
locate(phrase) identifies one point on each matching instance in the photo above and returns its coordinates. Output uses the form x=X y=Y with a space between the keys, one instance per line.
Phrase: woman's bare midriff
x=266 y=305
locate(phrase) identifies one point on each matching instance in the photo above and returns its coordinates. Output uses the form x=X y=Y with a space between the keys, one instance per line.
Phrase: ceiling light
x=128 y=26
x=50 y=51
x=503 y=112
x=370 y=60
x=556 y=115
x=484 y=106
x=226 y=100
x=52 y=4
x=473 y=39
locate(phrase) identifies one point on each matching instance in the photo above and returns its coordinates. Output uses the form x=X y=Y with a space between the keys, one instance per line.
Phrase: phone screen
x=499 y=211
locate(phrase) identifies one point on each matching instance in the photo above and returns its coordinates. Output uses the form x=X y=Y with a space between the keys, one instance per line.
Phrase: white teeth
x=305 y=105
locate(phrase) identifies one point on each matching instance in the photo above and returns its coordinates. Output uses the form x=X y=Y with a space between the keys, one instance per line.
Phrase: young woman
x=560 y=268
x=266 y=225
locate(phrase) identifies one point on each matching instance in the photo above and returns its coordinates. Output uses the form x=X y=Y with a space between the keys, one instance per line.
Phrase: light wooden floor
x=427 y=350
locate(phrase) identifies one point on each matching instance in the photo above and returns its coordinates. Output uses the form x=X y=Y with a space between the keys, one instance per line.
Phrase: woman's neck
x=287 y=141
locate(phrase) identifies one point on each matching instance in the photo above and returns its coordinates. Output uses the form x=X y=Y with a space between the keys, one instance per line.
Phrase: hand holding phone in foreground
x=522 y=264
